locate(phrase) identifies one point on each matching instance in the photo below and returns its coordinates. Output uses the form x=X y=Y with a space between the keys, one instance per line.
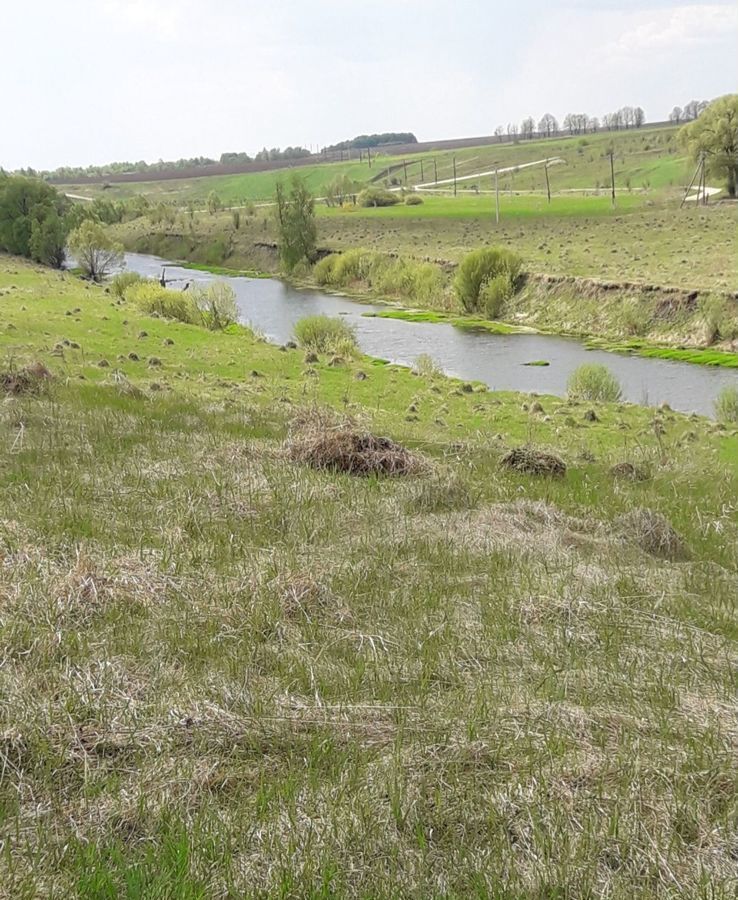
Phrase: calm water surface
x=497 y=360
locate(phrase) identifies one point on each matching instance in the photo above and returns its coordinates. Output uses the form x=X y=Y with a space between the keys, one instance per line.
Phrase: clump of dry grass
x=32 y=379
x=652 y=532
x=629 y=472
x=124 y=386
x=323 y=442
x=533 y=462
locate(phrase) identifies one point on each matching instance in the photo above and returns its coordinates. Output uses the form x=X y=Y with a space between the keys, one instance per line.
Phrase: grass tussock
x=726 y=405
x=629 y=471
x=652 y=532
x=529 y=461
x=594 y=382
x=339 y=446
x=326 y=334
x=33 y=379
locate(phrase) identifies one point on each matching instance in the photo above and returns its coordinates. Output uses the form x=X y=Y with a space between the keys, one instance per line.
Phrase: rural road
x=553 y=161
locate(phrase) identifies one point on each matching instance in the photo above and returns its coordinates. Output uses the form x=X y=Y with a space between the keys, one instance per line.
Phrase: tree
x=715 y=134
x=25 y=206
x=548 y=125
x=48 y=239
x=214 y=203
x=527 y=127
x=499 y=131
x=576 y=123
x=339 y=190
x=639 y=117
x=692 y=109
x=676 y=115
x=627 y=116
x=96 y=253
x=295 y=210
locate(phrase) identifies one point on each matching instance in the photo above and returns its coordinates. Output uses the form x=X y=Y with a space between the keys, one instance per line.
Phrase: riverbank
x=224 y=666
x=697 y=325
x=492 y=353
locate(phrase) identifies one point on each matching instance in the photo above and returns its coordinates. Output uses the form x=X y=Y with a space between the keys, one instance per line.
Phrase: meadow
x=644 y=159
x=643 y=237
x=226 y=673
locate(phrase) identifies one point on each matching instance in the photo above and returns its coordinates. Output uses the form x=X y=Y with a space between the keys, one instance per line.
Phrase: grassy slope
x=644 y=157
x=689 y=248
x=227 y=675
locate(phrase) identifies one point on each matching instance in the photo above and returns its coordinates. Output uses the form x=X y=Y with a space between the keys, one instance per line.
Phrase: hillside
x=228 y=673
x=646 y=156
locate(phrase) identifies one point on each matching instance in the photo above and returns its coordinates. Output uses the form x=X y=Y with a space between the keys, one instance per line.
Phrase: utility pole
x=454 y=176
x=435 y=172
x=612 y=175
x=497 y=198
x=548 y=185
x=697 y=173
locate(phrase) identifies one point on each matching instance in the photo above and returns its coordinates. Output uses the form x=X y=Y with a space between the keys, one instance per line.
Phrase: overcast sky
x=92 y=81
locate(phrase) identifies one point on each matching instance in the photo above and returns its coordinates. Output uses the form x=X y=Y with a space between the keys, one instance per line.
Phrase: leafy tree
x=295 y=210
x=676 y=115
x=339 y=190
x=48 y=239
x=95 y=251
x=32 y=219
x=214 y=203
x=715 y=134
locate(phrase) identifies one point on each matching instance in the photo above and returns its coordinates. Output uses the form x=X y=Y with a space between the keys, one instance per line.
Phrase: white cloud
x=674 y=29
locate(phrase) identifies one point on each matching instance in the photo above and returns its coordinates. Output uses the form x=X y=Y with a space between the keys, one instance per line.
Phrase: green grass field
x=645 y=237
x=645 y=160
x=227 y=674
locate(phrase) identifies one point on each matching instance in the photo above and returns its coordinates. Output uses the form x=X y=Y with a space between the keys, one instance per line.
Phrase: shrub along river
x=273 y=307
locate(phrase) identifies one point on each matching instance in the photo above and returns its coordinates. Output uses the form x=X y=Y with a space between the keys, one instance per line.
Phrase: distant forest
x=117 y=168
x=374 y=140
x=233 y=158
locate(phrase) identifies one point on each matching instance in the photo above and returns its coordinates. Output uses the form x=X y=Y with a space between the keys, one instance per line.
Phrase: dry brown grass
x=530 y=461
x=32 y=379
x=652 y=532
x=629 y=472
x=341 y=446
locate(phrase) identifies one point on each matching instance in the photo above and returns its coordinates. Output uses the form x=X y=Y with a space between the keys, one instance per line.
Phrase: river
x=273 y=307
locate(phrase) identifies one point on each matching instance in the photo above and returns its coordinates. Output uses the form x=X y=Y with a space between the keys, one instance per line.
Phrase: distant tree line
x=275 y=153
x=689 y=112
x=573 y=123
x=69 y=173
x=374 y=140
